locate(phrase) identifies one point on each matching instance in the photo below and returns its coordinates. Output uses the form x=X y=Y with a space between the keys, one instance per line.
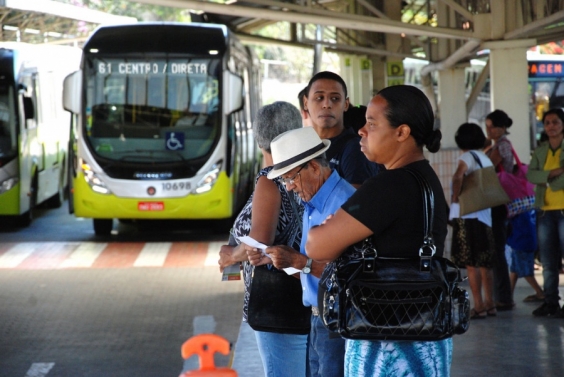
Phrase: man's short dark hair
x=301 y=96
x=327 y=76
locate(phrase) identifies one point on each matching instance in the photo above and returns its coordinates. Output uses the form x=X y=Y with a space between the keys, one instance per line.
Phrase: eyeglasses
x=291 y=181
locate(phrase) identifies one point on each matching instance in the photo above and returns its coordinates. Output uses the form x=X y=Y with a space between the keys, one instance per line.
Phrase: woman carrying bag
x=545 y=171
x=272 y=216
x=389 y=209
x=501 y=155
x=473 y=245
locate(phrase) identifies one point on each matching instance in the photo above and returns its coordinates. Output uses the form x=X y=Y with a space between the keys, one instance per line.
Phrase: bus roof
x=165 y=37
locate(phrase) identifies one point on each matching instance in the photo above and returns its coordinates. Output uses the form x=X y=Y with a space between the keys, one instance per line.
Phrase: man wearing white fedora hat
x=298 y=156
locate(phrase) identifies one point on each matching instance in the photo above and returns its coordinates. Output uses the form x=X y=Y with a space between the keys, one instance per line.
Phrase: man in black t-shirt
x=326 y=102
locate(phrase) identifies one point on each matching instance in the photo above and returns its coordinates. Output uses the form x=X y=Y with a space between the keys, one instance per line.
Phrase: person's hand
x=554 y=173
x=225 y=257
x=256 y=257
x=283 y=256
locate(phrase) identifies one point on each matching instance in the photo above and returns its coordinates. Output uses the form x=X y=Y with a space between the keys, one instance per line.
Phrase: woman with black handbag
x=389 y=210
x=272 y=216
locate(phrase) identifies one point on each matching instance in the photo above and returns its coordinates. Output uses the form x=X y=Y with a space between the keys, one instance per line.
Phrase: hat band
x=299 y=157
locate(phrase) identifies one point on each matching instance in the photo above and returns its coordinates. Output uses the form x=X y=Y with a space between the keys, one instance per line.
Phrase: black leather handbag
x=364 y=296
x=275 y=298
x=275 y=303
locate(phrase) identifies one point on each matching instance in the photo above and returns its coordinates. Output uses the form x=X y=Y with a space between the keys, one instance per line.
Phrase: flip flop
x=492 y=312
x=478 y=315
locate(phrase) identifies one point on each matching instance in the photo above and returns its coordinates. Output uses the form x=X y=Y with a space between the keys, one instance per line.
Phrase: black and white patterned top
x=288 y=230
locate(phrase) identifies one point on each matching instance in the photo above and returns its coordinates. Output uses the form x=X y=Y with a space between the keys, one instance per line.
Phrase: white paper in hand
x=254 y=243
x=454 y=211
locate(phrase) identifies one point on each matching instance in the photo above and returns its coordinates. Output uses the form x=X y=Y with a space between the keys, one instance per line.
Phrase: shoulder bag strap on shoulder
x=476 y=158
x=428 y=246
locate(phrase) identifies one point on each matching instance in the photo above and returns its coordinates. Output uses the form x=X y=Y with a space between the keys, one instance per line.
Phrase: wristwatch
x=307 y=268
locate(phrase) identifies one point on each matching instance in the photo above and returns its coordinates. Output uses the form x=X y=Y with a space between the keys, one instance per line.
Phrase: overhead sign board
x=395 y=73
x=546 y=69
x=395 y=69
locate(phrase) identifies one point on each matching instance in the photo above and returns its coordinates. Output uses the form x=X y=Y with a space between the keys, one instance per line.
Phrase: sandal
x=492 y=312
x=534 y=298
x=478 y=315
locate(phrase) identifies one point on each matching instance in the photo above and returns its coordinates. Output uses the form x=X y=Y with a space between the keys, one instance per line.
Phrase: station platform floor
x=513 y=343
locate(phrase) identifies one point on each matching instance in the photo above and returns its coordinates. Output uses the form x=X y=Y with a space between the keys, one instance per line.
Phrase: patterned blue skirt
x=366 y=358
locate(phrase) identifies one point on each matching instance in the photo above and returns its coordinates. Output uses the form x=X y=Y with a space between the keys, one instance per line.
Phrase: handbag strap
x=515 y=156
x=477 y=159
x=428 y=247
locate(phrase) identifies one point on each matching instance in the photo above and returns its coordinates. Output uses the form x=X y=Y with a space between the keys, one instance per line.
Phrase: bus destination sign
x=153 y=68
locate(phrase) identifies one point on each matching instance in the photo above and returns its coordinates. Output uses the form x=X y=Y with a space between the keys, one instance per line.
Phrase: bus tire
x=222 y=226
x=26 y=218
x=103 y=227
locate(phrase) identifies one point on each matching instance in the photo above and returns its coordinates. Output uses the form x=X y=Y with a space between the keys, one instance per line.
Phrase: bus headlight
x=206 y=183
x=94 y=181
x=8 y=184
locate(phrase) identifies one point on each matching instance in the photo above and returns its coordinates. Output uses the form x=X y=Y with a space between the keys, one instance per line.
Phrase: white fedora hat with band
x=295 y=147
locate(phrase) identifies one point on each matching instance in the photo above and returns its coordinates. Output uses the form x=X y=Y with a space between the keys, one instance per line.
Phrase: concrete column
x=509 y=89
x=365 y=85
x=347 y=72
x=357 y=73
x=452 y=103
x=354 y=84
x=378 y=74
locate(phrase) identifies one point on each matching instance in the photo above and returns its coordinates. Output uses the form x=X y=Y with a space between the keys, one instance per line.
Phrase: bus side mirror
x=72 y=92
x=232 y=92
x=29 y=108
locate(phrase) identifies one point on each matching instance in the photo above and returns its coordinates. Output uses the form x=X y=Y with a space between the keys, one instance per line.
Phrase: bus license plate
x=150 y=206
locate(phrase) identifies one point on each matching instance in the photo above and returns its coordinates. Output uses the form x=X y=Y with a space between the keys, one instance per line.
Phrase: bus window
x=142 y=102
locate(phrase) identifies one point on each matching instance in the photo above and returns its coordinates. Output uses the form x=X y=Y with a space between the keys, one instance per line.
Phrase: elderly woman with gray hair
x=272 y=216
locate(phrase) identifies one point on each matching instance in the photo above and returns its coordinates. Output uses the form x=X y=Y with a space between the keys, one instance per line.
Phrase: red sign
x=150 y=206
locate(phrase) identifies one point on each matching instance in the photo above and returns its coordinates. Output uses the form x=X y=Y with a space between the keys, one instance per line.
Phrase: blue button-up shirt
x=332 y=194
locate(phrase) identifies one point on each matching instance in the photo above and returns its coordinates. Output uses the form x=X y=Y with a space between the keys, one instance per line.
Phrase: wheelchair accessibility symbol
x=174 y=141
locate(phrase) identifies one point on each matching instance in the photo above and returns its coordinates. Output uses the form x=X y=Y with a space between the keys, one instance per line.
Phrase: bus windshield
x=8 y=134
x=152 y=110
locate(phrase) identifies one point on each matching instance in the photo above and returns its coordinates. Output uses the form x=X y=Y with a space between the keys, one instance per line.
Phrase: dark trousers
x=502 y=286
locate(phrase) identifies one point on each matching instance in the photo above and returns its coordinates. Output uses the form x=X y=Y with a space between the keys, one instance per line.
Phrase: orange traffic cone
x=205 y=346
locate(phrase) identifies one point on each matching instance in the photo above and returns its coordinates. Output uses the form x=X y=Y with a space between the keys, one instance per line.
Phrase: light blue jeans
x=551 y=246
x=282 y=355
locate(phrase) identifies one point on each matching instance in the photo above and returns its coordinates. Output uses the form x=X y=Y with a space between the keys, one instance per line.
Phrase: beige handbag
x=480 y=190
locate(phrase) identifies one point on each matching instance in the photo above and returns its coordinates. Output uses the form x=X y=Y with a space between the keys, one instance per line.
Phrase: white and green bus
x=34 y=127
x=162 y=124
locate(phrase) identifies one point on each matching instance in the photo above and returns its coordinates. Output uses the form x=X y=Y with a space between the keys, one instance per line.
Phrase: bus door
x=30 y=149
